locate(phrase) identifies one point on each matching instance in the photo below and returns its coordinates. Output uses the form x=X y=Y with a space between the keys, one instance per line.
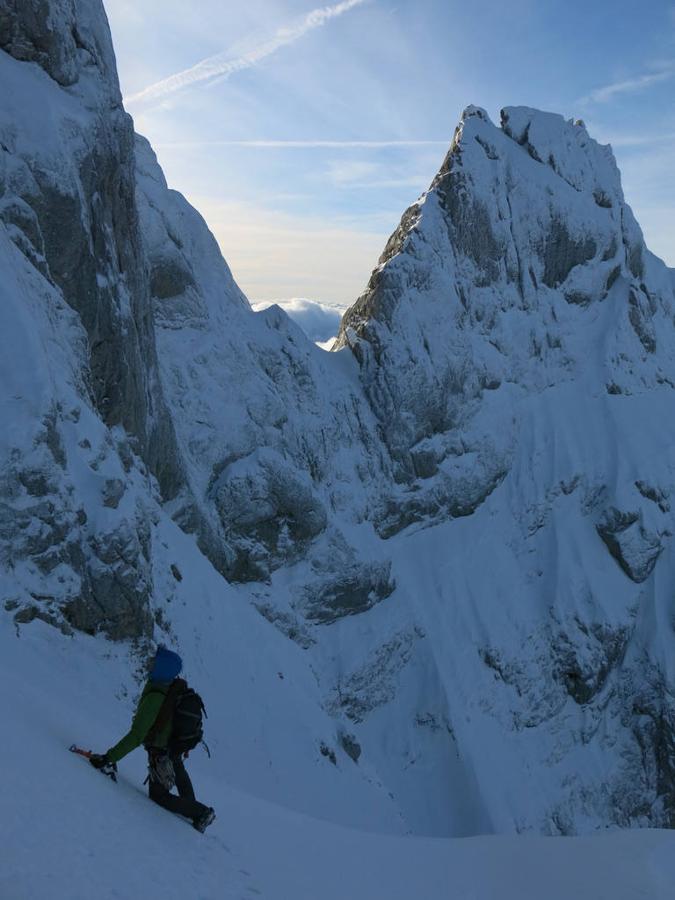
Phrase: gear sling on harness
x=186 y=707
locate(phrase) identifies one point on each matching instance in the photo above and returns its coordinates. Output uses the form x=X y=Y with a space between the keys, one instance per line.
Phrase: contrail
x=223 y=66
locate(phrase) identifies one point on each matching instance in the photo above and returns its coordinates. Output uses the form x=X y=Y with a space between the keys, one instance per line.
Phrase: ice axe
x=109 y=769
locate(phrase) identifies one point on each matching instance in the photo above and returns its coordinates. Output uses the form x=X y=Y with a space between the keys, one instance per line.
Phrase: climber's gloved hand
x=99 y=760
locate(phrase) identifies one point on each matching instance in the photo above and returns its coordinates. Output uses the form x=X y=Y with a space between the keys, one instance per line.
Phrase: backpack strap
x=165 y=711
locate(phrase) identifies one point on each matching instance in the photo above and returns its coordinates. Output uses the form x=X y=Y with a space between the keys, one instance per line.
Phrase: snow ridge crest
x=563 y=145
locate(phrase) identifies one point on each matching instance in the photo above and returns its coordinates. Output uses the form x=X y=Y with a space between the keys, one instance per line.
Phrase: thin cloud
x=629 y=86
x=222 y=66
x=300 y=145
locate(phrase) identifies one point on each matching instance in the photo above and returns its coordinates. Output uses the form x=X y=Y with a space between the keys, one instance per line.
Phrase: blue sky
x=309 y=129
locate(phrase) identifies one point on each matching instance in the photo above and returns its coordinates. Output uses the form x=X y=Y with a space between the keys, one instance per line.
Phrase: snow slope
x=66 y=831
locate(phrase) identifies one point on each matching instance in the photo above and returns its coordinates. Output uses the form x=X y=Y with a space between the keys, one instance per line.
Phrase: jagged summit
x=503 y=192
x=562 y=144
x=522 y=233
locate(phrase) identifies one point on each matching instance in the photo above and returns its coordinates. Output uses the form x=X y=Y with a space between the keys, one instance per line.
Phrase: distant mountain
x=459 y=521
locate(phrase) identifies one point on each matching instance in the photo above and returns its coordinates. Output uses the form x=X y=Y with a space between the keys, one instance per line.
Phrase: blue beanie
x=167 y=665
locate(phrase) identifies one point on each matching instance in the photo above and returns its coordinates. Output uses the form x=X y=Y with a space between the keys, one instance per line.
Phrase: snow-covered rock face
x=456 y=529
x=494 y=280
x=77 y=329
x=67 y=181
x=517 y=345
x=275 y=434
x=256 y=469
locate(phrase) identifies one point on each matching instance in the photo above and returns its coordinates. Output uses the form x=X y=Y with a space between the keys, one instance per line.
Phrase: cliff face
x=520 y=269
x=516 y=344
x=459 y=522
x=261 y=414
x=68 y=184
x=76 y=281
x=277 y=440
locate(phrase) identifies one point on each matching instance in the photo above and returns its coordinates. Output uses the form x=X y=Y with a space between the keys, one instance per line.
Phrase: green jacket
x=147 y=711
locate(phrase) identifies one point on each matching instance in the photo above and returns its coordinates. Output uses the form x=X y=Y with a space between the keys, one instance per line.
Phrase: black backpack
x=187 y=728
x=186 y=709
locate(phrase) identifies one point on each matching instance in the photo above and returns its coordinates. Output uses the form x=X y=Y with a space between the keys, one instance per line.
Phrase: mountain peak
x=562 y=145
x=489 y=274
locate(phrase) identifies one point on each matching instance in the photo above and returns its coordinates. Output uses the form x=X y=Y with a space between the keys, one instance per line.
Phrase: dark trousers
x=184 y=804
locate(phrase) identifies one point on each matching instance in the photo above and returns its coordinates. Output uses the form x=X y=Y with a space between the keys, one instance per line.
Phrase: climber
x=168 y=722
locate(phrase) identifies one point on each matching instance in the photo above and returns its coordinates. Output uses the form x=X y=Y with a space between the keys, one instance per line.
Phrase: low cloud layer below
x=319 y=322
